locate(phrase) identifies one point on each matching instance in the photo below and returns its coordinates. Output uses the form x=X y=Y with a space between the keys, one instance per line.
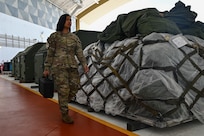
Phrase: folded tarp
x=179 y=20
x=113 y=31
x=181 y=15
x=185 y=20
x=142 y=22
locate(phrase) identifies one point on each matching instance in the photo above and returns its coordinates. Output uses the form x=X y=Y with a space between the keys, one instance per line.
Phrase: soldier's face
x=67 y=23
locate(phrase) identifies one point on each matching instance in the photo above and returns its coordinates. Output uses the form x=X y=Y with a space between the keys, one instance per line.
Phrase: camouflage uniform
x=63 y=67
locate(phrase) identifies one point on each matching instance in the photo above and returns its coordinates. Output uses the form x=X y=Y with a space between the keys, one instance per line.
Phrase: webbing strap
x=106 y=79
x=139 y=100
x=104 y=62
x=121 y=51
x=189 y=85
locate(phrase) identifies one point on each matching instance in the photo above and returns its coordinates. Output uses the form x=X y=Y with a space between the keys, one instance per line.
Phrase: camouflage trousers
x=67 y=84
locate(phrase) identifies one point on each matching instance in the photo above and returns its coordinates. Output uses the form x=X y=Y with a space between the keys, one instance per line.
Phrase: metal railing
x=15 y=41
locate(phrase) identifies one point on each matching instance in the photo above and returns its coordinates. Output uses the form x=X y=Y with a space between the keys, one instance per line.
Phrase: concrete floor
x=193 y=128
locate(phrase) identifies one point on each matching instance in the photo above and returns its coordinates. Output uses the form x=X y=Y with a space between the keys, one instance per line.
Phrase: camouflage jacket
x=63 y=50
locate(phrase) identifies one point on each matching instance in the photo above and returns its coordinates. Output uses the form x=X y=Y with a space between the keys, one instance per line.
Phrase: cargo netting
x=157 y=79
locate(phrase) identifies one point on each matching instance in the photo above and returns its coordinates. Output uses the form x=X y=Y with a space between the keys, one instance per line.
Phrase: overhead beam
x=87 y=11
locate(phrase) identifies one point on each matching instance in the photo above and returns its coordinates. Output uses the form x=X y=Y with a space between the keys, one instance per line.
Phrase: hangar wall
x=30 y=19
x=39 y=12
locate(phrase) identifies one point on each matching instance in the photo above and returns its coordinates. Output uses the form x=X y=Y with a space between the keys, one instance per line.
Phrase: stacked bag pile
x=147 y=67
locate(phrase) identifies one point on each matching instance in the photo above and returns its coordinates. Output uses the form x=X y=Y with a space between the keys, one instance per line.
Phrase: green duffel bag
x=150 y=24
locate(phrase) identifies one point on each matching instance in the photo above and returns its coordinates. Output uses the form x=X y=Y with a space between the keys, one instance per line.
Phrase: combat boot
x=67 y=119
